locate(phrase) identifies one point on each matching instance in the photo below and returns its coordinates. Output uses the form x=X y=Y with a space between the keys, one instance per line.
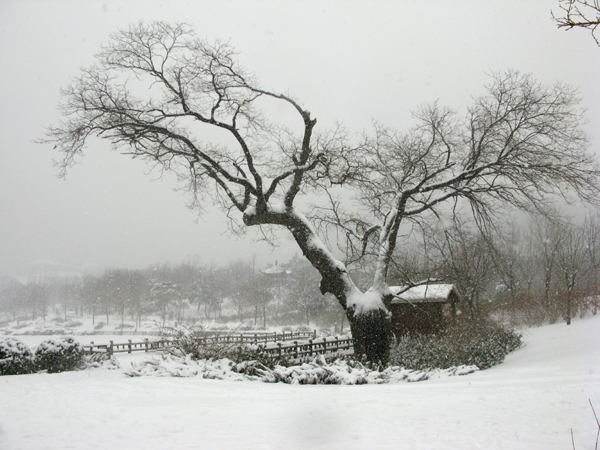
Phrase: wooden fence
x=291 y=344
x=207 y=338
x=252 y=338
x=318 y=346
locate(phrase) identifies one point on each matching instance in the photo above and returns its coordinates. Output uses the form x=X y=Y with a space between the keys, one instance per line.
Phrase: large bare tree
x=157 y=91
x=579 y=14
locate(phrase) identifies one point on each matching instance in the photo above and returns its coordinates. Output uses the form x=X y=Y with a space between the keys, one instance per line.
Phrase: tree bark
x=372 y=334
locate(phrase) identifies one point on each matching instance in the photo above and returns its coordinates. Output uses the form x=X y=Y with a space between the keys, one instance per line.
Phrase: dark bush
x=15 y=357
x=482 y=344
x=59 y=355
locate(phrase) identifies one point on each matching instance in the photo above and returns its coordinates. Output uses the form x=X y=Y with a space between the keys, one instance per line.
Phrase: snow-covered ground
x=532 y=401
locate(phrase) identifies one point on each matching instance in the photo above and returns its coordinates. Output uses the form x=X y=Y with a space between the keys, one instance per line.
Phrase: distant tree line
x=235 y=291
x=531 y=271
x=527 y=272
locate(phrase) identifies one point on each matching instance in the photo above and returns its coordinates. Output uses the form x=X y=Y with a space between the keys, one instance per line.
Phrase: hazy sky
x=350 y=61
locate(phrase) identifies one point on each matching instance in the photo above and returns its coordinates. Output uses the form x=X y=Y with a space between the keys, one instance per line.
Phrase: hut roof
x=427 y=293
x=276 y=270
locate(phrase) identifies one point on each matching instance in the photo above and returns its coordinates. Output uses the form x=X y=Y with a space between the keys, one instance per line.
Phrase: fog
x=347 y=61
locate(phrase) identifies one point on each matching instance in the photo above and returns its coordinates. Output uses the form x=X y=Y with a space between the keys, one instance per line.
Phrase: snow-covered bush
x=315 y=371
x=59 y=355
x=97 y=360
x=482 y=344
x=15 y=357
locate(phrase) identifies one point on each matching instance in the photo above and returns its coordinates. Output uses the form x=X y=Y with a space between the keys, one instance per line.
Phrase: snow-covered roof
x=426 y=293
x=275 y=270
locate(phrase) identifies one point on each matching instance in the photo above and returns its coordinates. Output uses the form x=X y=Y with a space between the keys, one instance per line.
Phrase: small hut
x=422 y=309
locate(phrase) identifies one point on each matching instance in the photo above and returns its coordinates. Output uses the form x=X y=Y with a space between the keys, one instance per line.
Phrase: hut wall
x=425 y=318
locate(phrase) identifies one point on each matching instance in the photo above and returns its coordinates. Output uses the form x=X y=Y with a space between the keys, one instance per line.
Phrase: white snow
x=532 y=401
x=367 y=301
x=423 y=293
x=250 y=210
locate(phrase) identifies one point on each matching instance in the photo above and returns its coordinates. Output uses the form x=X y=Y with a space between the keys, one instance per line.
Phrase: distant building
x=276 y=271
x=422 y=309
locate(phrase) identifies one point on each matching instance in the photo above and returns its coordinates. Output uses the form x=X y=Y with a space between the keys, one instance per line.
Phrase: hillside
x=532 y=401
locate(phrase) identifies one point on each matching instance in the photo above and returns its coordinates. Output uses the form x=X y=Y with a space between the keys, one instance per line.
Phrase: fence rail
x=318 y=346
x=207 y=338
x=293 y=344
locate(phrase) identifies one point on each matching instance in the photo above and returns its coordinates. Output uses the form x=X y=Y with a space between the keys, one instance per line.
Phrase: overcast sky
x=348 y=61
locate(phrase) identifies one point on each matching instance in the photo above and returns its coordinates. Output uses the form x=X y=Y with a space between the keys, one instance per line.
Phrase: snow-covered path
x=532 y=401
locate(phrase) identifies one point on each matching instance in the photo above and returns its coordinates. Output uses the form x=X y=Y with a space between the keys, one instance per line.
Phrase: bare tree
x=572 y=262
x=240 y=272
x=37 y=299
x=164 y=294
x=512 y=258
x=303 y=288
x=464 y=259
x=258 y=291
x=592 y=248
x=579 y=14
x=546 y=239
x=157 y=89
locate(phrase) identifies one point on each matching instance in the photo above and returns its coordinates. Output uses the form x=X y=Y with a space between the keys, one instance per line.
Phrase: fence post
x=324 y=344
x=129 y=346
x=279 y=345
x=91 y=347
x=296 y=349
x=314 y=334
x=146 y=342
x=310 y=344
x=110 y=349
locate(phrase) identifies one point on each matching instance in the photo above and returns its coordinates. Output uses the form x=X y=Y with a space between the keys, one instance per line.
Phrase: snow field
x=532 y=401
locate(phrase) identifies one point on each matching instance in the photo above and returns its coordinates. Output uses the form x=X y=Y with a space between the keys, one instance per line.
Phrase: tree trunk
x=569 y=295
x=372 y=333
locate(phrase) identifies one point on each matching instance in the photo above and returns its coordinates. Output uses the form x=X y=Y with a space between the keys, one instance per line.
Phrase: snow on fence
x=318 y=346
x=281 y=344
x=128 y=347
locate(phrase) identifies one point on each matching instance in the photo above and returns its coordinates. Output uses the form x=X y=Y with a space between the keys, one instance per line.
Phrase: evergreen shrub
x=483 y=344
x=59 y=355
x=15 y=357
